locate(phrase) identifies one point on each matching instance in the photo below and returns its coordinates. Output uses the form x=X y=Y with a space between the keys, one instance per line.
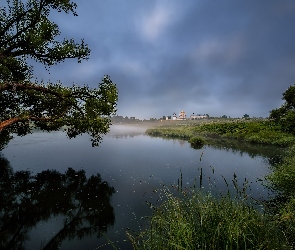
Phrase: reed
x=190 y=218
x=196 y=220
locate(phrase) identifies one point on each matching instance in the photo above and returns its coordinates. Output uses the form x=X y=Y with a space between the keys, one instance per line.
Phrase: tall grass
x=196 y=220
x=190 y=218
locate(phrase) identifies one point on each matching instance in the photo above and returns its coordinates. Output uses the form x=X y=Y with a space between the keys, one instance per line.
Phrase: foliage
x=26 y=32
x=285 y=115
x=256 y=131
x=195 y=220
x=282 y=178
x=286 y=219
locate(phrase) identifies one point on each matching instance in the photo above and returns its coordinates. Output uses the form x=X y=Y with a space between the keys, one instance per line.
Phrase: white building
x=198 y=116
x=174 y=117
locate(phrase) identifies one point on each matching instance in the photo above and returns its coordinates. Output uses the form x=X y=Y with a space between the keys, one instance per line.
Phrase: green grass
x=195 y=220
x=282 y=180
x=180 y=131
x=255 y=131
x=263 y=132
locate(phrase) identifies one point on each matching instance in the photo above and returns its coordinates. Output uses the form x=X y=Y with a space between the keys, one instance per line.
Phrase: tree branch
x=11 y=121
x=22 y=15
x=21 y=86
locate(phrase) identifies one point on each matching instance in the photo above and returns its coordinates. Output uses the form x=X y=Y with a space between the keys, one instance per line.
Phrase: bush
x=288 y=122
x=282 y=178
x=196 y=142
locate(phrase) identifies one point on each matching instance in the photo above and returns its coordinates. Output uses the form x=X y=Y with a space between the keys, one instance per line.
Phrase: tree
x=26 y=32
x=246 y=116
x=285 y=115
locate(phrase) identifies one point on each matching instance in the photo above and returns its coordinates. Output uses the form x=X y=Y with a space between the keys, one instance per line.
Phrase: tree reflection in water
x=27 y=200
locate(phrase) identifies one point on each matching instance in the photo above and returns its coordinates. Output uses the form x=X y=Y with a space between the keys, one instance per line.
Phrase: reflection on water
x=63 y=206
x=130 y=161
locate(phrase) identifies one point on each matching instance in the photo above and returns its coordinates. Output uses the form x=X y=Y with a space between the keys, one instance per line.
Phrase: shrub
x=282 y=178
x=196 y=142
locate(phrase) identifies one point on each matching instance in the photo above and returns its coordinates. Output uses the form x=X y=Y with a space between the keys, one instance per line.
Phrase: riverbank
x=195 y=220
x=263 y=132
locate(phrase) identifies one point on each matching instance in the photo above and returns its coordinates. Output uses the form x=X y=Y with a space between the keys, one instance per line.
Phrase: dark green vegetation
x=195 y=220
x=26 y=32
x=196 y=142
x=285 y=115
x=282 y=179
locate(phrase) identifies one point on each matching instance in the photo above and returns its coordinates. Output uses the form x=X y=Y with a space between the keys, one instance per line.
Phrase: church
x=182 y=116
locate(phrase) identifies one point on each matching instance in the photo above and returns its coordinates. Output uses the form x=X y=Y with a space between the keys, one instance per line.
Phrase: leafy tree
x=285 y=115
x=26 y=32
x=246 y=116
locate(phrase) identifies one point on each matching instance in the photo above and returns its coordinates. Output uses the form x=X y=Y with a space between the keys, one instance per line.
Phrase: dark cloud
x=217 y=57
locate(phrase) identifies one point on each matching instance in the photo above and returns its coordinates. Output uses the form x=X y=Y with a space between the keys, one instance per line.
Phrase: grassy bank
x=254 y=131
x=196 y=220
x=282 y=180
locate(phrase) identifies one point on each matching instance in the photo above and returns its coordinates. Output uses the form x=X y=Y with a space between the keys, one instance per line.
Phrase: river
x=62 y=208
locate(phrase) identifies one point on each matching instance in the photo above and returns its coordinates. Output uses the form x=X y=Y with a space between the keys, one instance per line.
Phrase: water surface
x=129 y=163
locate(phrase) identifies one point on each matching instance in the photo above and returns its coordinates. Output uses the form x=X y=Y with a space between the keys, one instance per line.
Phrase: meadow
x=258 y=131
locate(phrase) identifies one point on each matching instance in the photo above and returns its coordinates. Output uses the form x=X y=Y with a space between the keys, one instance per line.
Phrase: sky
x=216 y=57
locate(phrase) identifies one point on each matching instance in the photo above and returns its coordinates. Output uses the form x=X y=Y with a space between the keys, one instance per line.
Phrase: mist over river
x=129 y=167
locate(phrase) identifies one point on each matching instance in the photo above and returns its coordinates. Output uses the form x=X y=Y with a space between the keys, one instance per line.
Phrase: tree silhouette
x=28 y=199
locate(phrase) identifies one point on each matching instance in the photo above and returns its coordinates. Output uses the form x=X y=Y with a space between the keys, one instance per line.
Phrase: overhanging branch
x=21 y=86
x=14 y=120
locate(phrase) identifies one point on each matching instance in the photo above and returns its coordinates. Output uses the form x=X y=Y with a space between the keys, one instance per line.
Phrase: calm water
x=69 y=209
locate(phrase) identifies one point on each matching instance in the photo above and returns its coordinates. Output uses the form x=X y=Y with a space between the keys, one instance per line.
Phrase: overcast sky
x=218 y=57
